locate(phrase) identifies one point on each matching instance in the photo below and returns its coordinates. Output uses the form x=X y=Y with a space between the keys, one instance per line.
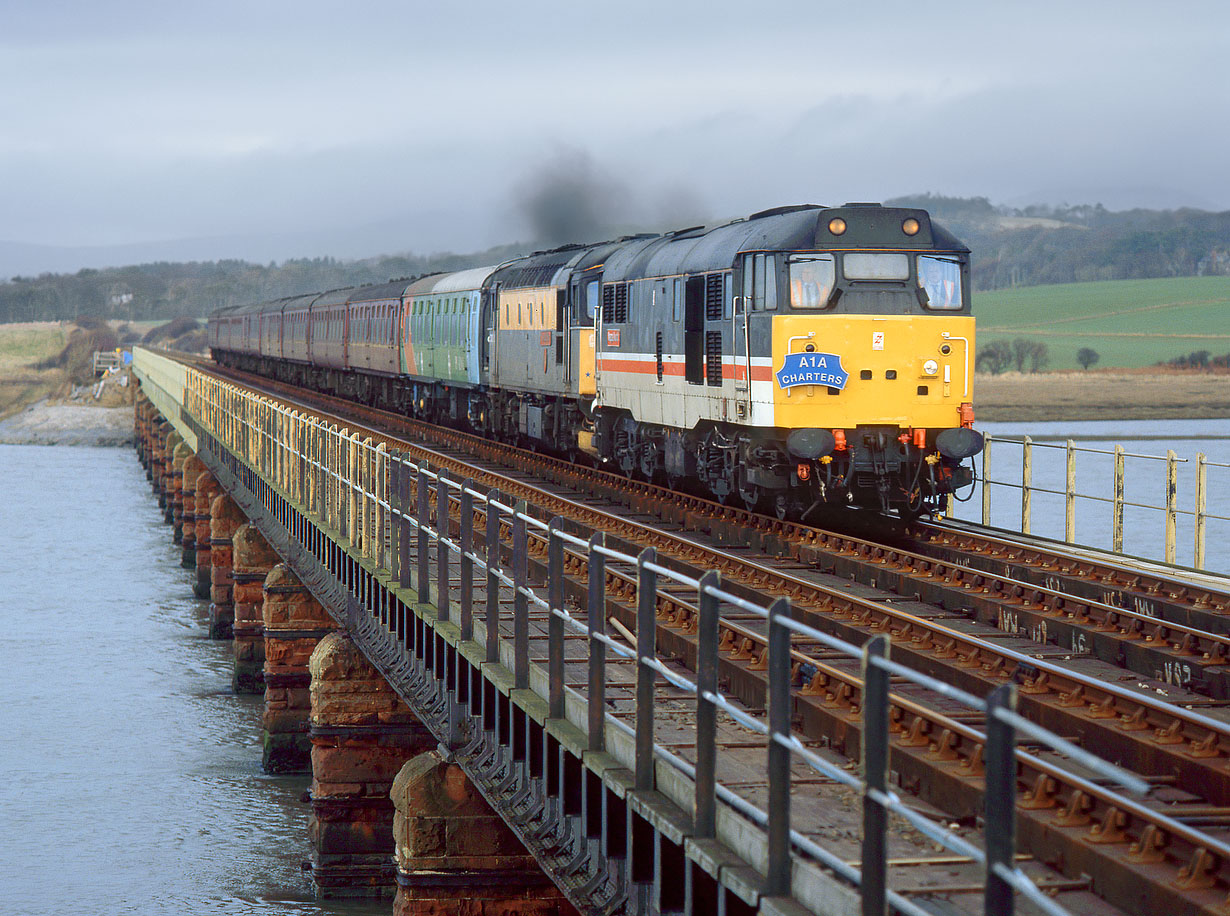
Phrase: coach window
x=811 y=280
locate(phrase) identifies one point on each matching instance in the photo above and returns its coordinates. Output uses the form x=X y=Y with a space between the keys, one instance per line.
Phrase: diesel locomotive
x=801 y=357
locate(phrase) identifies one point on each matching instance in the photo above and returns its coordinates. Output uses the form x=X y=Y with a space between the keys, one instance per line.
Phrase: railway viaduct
x=487 y=736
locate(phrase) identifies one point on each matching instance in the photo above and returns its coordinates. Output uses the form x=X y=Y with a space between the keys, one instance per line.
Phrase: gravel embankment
x=68 y=424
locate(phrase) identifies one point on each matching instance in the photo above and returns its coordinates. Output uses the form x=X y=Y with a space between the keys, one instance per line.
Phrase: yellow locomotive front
x=872 y=362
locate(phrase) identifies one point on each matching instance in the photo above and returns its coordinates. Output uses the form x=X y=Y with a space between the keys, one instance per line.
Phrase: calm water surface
x=130 y=777
x=1145 y=483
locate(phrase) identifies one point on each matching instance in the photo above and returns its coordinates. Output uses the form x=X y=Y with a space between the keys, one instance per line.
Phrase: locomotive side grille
x=713 y=297
x=658 y=352
x=713 y=357
x=608 y=303
x=615 y=303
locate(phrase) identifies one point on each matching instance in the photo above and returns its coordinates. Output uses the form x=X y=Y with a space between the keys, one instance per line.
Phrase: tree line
x=1011 y=247
x=166 y=290
x=1036 y=245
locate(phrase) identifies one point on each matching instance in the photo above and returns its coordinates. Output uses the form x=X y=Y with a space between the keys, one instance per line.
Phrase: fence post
x=521 y=604
x=555 y=623
x=705 y=804
x=986 y=480
x=1116 y=519
x=1000 y=814
x=1027 y=475
x=465 y=563
x=1069 y=495
x=646 y=646
x=1172 y=490
x=493 y=579
x=423 y=541
x=777 y=881
x=1202 y=469
x=873 y=883
x=442 y=551
x=596 y=621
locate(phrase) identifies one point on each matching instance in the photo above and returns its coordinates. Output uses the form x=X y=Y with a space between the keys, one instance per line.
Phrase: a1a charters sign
x=812 y=369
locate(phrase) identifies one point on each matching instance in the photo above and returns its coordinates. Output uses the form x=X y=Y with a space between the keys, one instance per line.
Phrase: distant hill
x=1041 y=244
x=170 y=289
x=1012 y=247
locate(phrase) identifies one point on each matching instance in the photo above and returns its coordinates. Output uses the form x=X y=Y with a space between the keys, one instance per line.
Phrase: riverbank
x=1127 y=395
x=43 y=423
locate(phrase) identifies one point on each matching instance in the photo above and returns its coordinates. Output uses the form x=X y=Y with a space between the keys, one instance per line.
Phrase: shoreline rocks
x=68 y=424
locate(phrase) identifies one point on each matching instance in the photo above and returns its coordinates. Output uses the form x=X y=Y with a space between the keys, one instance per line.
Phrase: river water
x=1145 y=483
x=130 y=777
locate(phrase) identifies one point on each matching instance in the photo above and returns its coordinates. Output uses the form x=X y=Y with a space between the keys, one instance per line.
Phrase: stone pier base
x=193 y=467
x=207 y=490
x=224 y=520
x=361 y=735
x=294 y=624
x=253 y=558
x=455 y=856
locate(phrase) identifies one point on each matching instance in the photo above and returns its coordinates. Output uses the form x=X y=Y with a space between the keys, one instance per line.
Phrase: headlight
x=910 y=226
x=931 y=367
x=837 y=225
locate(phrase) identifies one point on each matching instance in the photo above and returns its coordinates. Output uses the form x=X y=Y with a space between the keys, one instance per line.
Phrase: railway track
x=1151 y=851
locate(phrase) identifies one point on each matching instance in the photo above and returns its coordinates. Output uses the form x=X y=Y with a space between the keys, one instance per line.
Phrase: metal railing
x=1107 y=483
x=380 y=502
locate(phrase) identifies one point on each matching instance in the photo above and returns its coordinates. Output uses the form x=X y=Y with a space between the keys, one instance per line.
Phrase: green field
x=1128 y=322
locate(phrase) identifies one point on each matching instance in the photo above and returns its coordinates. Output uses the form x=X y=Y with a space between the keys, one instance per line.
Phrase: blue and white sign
x=812 y=369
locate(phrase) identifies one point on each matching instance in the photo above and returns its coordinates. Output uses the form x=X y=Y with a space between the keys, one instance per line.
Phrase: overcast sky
x=272 y=130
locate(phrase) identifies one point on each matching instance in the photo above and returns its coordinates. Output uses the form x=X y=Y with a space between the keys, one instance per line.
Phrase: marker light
x=837 y=225
x=910 y=226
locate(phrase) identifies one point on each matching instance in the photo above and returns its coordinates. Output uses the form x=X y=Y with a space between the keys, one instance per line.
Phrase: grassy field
x=21 y=345
x=1130 y=323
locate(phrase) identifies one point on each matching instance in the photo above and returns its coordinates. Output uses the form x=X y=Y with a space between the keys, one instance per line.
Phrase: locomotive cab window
x=940 y=280
x=811 y=280
x=862 y=266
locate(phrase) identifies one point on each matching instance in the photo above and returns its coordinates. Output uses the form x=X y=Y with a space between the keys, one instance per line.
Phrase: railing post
x=423 y=541
x=493 y=579
x=646 y=647
x=1027 y=474
x=442 y=551
x=986 y=480
x=1172 y=503
x=404 y=562
x=705 y=805
x=1116 y=518
x=465 y=563
x=1000 y=814
x=555 y=623
x=874 y=880
x=1069 y=495
x=596 y=621
x=1202 y=469
x=777 y=881
x=521 y=604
